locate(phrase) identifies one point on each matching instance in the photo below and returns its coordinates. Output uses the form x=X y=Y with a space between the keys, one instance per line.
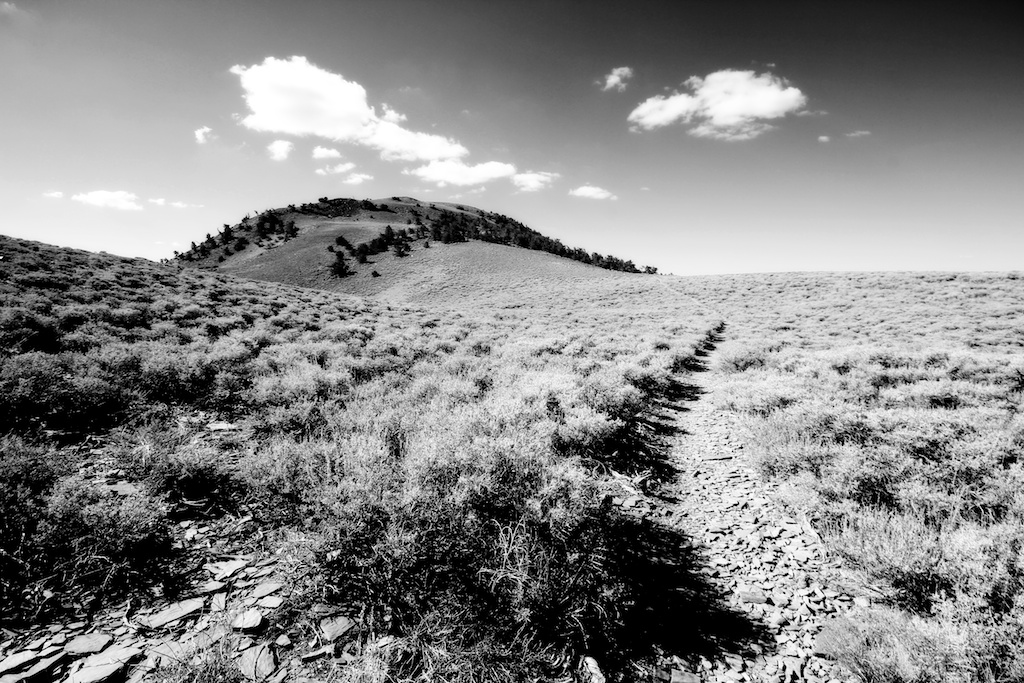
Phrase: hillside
x=393 y=248
x=410 y=471
x=506 y=465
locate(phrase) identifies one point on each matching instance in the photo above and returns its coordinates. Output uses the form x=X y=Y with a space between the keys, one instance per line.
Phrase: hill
x=416 y=471
x=392 y=248
x=822 y=470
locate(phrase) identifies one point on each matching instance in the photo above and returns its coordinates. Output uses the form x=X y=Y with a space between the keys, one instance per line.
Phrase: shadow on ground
x=665 y=604
x=660 y=605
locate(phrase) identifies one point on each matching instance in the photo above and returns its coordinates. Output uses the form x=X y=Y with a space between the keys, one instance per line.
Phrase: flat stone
x=88 y=644
x=257 y=663
x=283 y=641
x=225 y=569
x=49 y=660
x=169 y=615
x=335 y=627
x=168 y=653
x=104 y=665
x=684 y=677
x=754 y=597
x=211 y=586
x=219 y=602
x=222 y=427
x=266 y=589
x=18 y=661
x=249 y=620
x=320 y=653
x=270 y=602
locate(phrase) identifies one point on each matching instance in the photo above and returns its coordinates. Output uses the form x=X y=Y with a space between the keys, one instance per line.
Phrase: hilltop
x=395 y=248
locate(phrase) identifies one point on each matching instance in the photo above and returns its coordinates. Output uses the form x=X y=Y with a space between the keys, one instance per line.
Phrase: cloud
x=357 y=178
x=119 y=199
x=824 y=138
x=858 y=134
x=617 y=79
x=280 y=149
x=56 y=194
x=160 y=201
x=592 y=192
x=183 y=205
x=457 y=172
x=392 y=116
x=10 y=12
x=325 y=153
x=532 y=181
x=294 y=97
x=204 y=135
x=334 y=170
x=724 y=105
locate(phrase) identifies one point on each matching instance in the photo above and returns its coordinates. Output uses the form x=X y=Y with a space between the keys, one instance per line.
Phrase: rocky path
x=766 y=558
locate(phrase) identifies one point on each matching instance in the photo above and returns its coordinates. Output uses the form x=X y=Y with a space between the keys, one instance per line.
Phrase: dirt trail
x=770 y=563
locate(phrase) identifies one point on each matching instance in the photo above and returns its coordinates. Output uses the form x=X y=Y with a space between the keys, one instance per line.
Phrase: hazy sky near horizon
x=699 y=137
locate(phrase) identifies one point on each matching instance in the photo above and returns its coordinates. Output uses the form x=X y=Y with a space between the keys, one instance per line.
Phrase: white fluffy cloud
x=295 y=97
x=392 y=116
x=824 y=138
x=858 y=134
x=532 y=181
x=325 y=153
x=592 y=192
x=204 y=135
x=56 y=194
x=334 y=170
x=616 y=80
x=724 y=105
x=118 y=199
x=357 y=178
x=457 y=172
x=160 y=201
x=8 y=10
x=280 y=149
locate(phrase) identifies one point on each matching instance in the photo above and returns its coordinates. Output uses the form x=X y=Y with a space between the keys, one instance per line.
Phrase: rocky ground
x=765 y=557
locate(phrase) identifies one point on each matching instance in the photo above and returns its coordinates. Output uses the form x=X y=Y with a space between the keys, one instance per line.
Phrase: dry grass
x=438 y=456
x=890 y=407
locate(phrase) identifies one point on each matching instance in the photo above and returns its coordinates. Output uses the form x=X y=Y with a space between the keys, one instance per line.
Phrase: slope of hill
x=437 y=474
x=391 y=247
x=455 y=439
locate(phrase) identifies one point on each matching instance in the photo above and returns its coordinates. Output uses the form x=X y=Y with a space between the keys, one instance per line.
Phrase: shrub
x=885 y=645
x=26 y=476
x=96 y=541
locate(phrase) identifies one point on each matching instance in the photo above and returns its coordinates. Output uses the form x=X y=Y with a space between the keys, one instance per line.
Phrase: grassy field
x=449 y=465
x=446 y=445
x=890 y=405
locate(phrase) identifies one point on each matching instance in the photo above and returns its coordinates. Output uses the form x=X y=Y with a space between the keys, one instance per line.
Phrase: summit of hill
x=398 y=249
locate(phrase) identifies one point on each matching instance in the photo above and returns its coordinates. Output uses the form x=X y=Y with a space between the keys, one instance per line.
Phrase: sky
x=697 y=137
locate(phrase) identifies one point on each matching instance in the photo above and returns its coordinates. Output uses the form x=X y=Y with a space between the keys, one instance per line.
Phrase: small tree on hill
x=340 y=267
x=401 y=249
